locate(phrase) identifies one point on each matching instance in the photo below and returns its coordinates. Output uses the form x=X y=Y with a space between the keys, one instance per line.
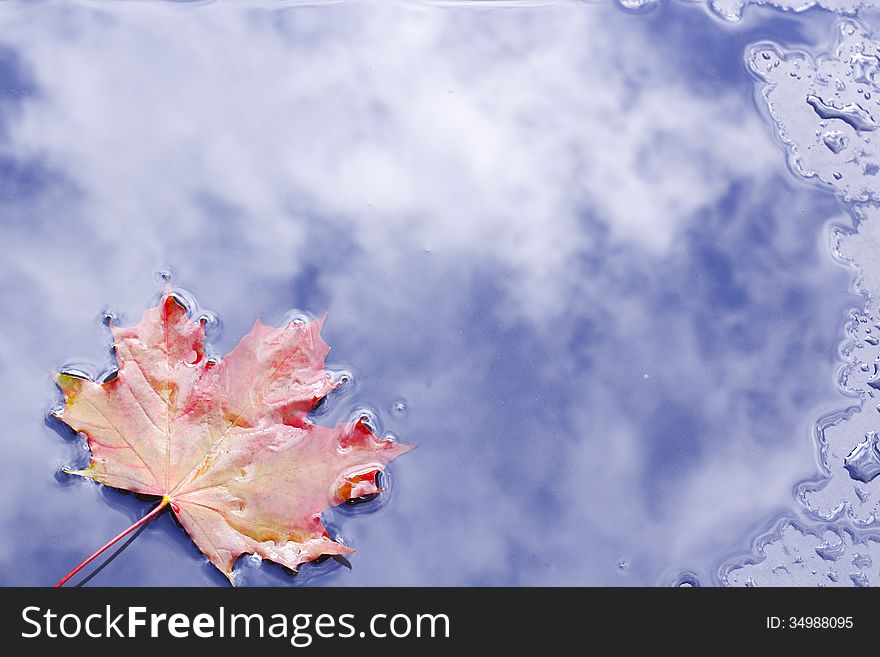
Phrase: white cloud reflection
x=430 y=173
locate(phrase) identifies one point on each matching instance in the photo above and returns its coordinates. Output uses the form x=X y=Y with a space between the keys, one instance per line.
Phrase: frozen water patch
x=848 y=441
x=827 y=111
x=732 y=9
x=794 y=555
x=827 y=115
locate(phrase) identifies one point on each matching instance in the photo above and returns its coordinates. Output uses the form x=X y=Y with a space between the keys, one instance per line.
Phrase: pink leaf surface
x=226 y=443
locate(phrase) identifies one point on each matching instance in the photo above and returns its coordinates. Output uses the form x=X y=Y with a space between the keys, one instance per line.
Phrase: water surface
x=559 y=247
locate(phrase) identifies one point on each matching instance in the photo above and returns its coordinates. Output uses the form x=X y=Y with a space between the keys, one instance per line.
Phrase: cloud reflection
x=607 y=309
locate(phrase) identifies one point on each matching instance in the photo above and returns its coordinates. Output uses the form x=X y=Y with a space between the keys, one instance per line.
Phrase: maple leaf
x=225 y=443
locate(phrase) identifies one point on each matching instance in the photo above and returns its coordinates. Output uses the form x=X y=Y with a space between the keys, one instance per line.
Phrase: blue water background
x=612 y=365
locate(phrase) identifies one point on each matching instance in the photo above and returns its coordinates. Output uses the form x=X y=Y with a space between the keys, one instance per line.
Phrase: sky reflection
x=566 y=239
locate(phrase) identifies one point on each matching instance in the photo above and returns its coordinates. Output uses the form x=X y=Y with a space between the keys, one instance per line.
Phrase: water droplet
x=837 y=175
x=866 y=69
x=637 y=5
x=831 y=551
x=835 y=140
x=369 y=419
x=107 y=377
x=296 y=317
x=185 y=299
x=853 y=114
x=76 y=372
x=863 y=462
x=872 y=340
x=108 y=317
x=210 y=321
x=859 y=579
x=622 y=565
x=341 y=378
x=861 y=561
x=832 y=575
x=163 y=275
x=399 y=407
x=687 y=579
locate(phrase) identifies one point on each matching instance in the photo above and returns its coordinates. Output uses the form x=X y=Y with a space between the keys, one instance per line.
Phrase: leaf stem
x=152 y=514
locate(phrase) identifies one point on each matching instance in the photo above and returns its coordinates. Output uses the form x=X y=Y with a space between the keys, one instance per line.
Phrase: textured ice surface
x=794 y=555
x=848 y=442
x=827 y=111
x=732 y=9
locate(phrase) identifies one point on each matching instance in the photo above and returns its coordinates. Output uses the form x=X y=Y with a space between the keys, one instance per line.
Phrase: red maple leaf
x=225 y=443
